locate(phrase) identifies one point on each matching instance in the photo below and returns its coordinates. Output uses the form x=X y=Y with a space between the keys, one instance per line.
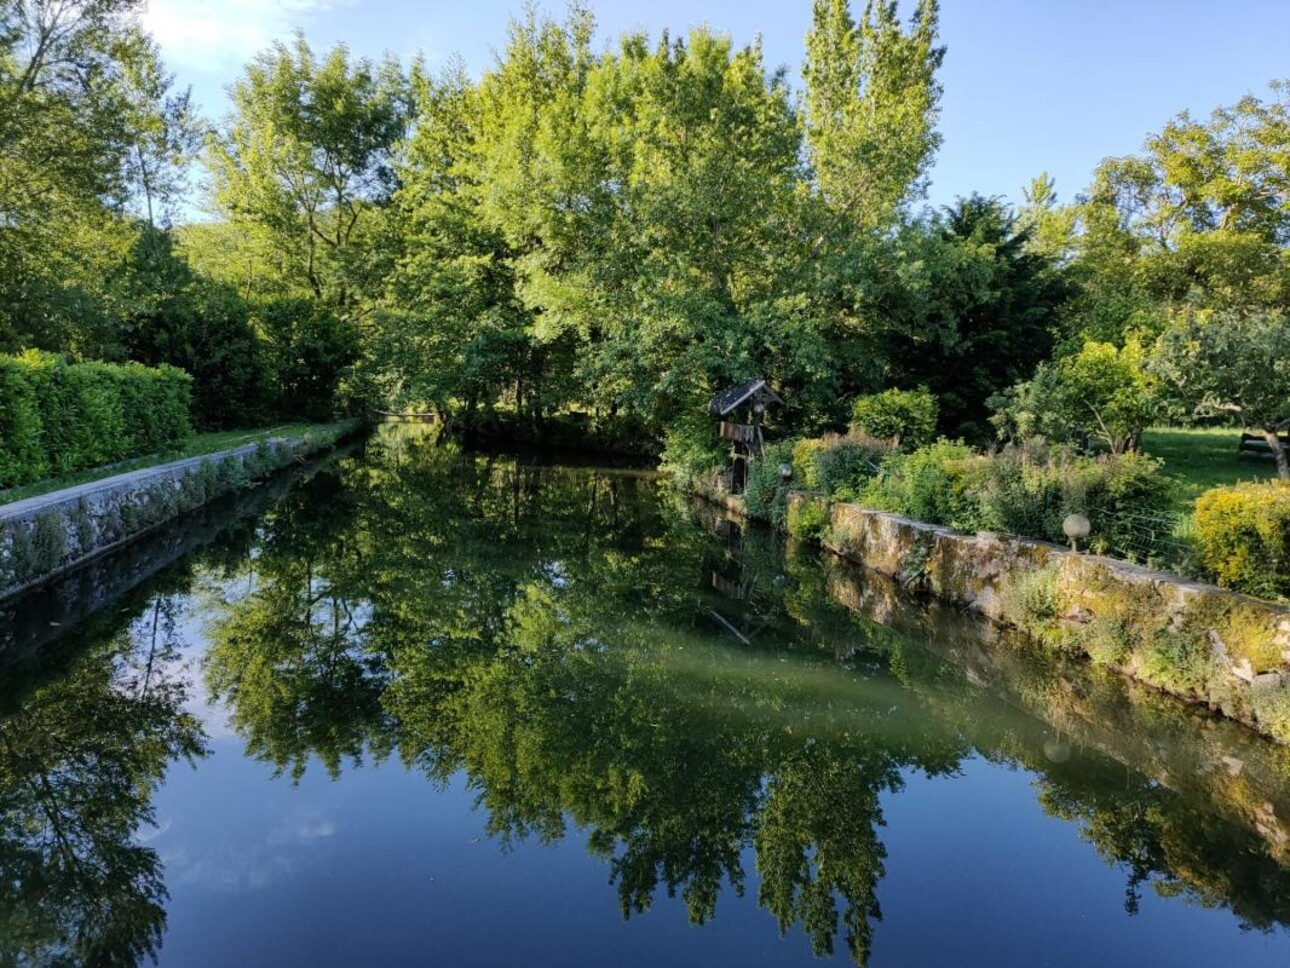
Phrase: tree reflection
x=564 y=640
x=708 y=712
x=80 y=757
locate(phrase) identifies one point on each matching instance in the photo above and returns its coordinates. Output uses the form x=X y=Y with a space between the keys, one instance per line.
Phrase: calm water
x=419 y=707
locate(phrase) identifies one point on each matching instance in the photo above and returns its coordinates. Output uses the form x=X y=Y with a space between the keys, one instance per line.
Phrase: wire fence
x=1157 y=539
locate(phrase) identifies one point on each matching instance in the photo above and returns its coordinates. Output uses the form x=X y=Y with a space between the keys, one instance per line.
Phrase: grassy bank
x=1202 y=458
x=196 y=446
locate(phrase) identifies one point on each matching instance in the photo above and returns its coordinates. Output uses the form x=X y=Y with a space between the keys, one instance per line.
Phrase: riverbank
x=1195 y=641
x=199 y=445
x=47 y=535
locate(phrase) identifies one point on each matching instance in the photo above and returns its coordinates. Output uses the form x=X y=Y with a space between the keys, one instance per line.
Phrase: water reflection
x=81 y=754
x=675 y=688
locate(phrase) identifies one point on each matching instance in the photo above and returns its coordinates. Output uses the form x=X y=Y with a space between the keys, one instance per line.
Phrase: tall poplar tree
x=872 y=100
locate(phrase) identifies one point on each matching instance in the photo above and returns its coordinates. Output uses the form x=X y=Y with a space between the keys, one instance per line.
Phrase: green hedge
x=58 y=417
x=1243 y=537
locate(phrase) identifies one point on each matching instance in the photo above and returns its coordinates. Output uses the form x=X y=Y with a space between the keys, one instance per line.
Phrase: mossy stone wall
x=49 y=535
x=1196 y=641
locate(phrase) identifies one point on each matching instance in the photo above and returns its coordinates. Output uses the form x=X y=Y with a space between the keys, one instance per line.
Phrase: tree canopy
x=591 y=237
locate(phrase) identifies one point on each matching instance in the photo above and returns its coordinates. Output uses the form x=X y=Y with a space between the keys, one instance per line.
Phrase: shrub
x=1106 y=640
x=22 y=458
x=57 y=417
x=805 y=470
x=1103 y=389
x=809 y=520
x=1242 y=534
x=907 y=417
x=840 y=467
x=693 y=453
x=931 y=484
x=1029 y=491
x=1128 y=502
x=765 y=494
x=1034 y=604
x=312 y=348
x=1177 y=662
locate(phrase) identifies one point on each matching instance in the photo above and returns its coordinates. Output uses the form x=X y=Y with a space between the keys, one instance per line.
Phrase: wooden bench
x=1258 y=444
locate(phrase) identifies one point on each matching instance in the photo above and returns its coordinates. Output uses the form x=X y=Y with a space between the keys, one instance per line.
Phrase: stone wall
x=1182 y=747
x=1193 y=640
x=46 y=536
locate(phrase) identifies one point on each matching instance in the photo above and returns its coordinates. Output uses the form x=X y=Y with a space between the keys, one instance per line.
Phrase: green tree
x=72 y=119
x=907 y=417
x=971 y=311
x=311 y=350
x=172 y=314
x=450 y=331
x=1107 y=392
x=165 y=137
x=1231 y=364
x=872 y=99
x=1200 y=218
x=305 y=152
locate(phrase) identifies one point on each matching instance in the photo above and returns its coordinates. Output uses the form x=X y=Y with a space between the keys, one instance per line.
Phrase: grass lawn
x=197 y=445
x=1202 y=458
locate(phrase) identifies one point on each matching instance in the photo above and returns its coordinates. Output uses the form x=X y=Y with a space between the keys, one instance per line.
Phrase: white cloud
x=214 y=35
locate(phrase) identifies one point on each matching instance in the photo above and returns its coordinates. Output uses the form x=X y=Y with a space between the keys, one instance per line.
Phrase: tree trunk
x=1278 y=452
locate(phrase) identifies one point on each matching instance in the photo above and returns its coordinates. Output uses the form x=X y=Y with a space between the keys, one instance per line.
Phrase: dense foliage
x=57 y=417
x=1243 y=536
x=1025 y=490
x=903 y=416
x=586 y=240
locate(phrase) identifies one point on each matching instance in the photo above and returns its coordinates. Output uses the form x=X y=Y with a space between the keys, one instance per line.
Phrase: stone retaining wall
x=1233 y=771
x=1193 y=640
x=46 y=536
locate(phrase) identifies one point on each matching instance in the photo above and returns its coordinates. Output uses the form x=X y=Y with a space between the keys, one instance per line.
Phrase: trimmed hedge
x=58 y=417
x=1243 y=537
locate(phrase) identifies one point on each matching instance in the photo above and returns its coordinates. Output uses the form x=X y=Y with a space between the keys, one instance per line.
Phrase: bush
x=809 y=520
x=907 y=417
x=840 y=467
x=1030 y=490
x=805 y=469
x=1034 y=604
x=693 y=454
x=233 y=380
x=58 y=417
x=1242 y=534
x=312 y=348
x=932 y=484
x=1103 y=389
x=21 y=456
x=766 y=494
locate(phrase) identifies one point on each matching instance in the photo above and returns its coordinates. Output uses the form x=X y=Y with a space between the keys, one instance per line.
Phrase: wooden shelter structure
x=741 y=409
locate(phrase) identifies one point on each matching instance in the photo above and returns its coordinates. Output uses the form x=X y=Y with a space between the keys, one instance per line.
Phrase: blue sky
x=1044 y=85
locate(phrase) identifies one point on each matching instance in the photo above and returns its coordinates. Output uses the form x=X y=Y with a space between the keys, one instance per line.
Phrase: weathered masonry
x=46 y=536
x=1196 y=641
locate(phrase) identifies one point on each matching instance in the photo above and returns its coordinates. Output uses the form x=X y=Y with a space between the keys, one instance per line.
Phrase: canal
x=420 y=706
